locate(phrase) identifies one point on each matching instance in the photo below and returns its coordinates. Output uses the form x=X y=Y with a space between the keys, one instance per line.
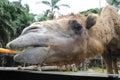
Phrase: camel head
x=55 y=41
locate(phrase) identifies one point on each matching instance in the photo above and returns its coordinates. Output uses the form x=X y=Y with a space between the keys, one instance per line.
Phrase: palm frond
x=56 y=7
x=65 y=5
x=54 y=2
x=46 y=3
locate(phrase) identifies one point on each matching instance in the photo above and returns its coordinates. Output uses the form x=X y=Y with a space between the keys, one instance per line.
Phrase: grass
x=98 y=70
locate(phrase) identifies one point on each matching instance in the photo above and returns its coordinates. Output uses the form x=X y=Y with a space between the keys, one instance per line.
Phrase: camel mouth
x=34 y=46
x=29 y=48
x=22 y=48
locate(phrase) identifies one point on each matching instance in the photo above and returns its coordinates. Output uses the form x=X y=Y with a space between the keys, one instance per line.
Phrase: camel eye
x=75 y=26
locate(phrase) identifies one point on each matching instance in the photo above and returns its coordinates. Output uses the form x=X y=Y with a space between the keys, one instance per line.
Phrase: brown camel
x=69 y=39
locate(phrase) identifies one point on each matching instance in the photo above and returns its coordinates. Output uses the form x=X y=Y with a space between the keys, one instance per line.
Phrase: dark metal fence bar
x=37 y=75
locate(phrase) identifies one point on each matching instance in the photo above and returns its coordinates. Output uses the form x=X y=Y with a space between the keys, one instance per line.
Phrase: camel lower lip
x=33 y=55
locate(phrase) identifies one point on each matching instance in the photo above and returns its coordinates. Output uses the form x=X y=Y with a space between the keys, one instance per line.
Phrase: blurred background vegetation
x=13 y=18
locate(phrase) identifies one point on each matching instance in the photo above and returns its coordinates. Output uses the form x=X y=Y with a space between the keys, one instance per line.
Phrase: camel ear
x=91 y=20
x=75 y=26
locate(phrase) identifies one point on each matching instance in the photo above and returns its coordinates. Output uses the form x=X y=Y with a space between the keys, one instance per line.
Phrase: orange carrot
x=9 y=51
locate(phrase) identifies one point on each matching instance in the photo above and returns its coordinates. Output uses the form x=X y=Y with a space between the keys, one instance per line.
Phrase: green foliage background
x=13 y=18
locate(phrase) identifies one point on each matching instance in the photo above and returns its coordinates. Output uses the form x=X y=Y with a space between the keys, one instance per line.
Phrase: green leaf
x=54 y=2
x=46 y=3
x=56 y=7
x=65 y=5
